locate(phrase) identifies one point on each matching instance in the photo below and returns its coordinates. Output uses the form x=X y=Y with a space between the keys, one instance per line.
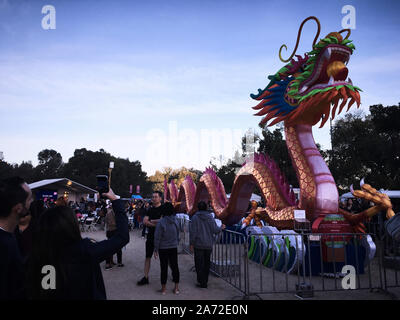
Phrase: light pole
x=109 y=174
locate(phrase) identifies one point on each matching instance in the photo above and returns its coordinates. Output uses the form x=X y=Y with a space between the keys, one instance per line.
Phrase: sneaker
x=201 y=285
x=176 y=291
x=163 y=292
x=120 y=265
x=143 y=281
x=108 y=267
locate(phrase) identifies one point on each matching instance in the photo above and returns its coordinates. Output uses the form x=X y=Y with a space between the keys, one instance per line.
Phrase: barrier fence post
x=322 y=263
x=380 y=262
x=246 y=270
x=357 y=262
x=273 y=268
x=369 y=271
x=260 y=264
x=396 y=254
x=334 y=261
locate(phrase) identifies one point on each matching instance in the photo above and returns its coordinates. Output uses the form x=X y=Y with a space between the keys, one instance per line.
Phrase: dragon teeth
x=303 y=89
x=327 y=53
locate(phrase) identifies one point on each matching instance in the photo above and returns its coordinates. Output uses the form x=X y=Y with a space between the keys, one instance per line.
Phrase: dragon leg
x=382 y=203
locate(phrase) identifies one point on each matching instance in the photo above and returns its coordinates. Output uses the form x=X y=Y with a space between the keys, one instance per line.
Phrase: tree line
x=82 y=167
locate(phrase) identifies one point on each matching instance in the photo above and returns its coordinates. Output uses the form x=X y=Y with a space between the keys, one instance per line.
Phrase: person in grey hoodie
x=202 y=229
x=166 y=239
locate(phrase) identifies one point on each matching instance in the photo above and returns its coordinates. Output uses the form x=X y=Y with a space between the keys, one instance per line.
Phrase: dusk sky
x=125 y=75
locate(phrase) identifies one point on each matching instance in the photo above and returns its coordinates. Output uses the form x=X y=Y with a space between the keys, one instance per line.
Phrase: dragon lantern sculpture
x=307 y=90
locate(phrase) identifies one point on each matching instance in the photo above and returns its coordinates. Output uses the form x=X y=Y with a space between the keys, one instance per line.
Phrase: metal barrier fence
x=390 y=257
x=289 y=262
x=184 y=234
x=303 y=264
x=228 y=257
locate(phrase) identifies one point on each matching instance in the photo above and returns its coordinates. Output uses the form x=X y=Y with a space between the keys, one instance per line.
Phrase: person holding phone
x=76 y=261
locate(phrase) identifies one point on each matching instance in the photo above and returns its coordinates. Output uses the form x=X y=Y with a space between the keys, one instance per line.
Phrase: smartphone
x=102 y=184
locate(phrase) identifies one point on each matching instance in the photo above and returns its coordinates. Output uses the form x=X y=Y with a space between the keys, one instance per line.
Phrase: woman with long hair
x=57 y=242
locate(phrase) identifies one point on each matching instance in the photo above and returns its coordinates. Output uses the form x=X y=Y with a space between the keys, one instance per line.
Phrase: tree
x=50 y=164
x=26 y=171
x=168 y=173
x=85 y=165
x=367 y=146
x=273 y=144
x=6 y=170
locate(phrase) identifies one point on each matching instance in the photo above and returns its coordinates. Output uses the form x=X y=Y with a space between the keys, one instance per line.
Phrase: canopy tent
x=50 y=188
x=136 y=196
x=390 y=193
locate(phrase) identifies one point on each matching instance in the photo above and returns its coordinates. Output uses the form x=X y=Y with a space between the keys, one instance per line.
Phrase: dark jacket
x=202 y=229
x=82 y=261
x=166 y=235
x=11 y=268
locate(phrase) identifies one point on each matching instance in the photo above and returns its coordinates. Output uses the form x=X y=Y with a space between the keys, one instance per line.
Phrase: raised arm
x=103 y=249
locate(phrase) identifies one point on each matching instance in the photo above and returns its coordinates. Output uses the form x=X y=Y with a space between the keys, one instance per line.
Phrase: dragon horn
x=352 y=190
x=362 y=182
x=345 y=30
x=298 y=39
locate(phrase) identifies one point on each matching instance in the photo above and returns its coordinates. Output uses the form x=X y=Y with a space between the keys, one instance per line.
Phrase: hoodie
x=202 y=229
x=166 y=235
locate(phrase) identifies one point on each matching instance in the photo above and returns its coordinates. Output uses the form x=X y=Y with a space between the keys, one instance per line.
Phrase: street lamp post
x=109 y=174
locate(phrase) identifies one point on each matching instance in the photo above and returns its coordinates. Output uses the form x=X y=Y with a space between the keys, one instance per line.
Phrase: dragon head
x=309 y=88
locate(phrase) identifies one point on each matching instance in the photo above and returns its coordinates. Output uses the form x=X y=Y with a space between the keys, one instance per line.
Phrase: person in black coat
x=15 y=200
x=58 y=243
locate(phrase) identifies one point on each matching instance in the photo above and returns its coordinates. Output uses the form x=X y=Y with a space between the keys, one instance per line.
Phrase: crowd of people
x=37 y=235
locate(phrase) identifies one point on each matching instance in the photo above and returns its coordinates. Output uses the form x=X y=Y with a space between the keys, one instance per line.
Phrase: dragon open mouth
x=330 y=69
x=312 y=88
